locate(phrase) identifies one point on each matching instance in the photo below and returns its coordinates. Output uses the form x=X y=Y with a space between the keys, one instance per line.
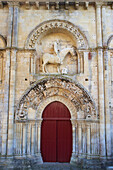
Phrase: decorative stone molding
x=2 y=42
x=47 y=27
x=50 y=87
x=109 y=41
x=61 y=99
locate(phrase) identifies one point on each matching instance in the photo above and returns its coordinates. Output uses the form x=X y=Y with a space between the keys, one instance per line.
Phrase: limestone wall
x=22 y=65
x=29 y=19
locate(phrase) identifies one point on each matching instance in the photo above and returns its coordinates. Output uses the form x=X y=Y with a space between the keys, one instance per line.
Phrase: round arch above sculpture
x=50 y=89
x=61 y=26
x=110 y=42
x=58 y=46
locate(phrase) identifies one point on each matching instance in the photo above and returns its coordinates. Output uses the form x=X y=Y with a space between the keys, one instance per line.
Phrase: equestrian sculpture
x=57 y=58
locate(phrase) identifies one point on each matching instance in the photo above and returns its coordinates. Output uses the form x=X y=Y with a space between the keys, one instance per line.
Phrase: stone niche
x=56 y=53
x=59 y=48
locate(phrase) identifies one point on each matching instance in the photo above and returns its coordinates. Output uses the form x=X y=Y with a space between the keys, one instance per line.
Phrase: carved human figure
x=57 y=58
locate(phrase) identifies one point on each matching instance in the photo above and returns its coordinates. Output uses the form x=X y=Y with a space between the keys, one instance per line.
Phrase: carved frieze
x=56 y=87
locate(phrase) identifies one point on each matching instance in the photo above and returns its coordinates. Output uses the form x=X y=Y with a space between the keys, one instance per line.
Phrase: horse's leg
x=46 y=71
x=58 y=69
x=43 y=67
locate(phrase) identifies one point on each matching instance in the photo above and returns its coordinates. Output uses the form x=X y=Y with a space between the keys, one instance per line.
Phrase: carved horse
x=56 y=59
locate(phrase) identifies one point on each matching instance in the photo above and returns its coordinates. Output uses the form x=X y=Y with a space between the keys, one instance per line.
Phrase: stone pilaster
x=100 y=81
x=107 y=100
x=6 y=83
x=106 y=84
x=15 y=26
x=104 y=26
x=11 y=102
x=12 y=80
x=6 y=104
x=10 y=25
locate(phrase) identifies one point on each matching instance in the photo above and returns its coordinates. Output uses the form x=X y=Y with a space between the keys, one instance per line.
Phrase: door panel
x=48 y=141
x=56 y=110
x=64 y=141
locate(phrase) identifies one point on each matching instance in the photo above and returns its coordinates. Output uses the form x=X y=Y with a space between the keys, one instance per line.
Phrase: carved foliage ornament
x=55 y=24
x=56 y=87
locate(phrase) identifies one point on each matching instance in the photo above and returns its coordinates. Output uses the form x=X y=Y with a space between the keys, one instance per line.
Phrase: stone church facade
x=56 y=51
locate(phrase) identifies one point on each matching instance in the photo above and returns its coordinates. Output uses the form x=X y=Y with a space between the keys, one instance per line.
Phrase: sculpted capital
x=99 y=4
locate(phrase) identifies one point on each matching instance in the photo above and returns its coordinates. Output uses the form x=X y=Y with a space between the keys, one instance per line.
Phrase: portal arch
x=28 y=115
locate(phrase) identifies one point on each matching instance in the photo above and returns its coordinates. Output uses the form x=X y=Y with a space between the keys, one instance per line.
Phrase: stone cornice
x=57 y=4
x=56 y=1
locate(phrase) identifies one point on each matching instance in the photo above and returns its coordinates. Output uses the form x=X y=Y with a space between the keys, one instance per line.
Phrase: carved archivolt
x=62 y=99
x=50 y=87
x=59 y=25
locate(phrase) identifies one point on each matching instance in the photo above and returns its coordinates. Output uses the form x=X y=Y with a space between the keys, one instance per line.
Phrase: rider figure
x=56 y=48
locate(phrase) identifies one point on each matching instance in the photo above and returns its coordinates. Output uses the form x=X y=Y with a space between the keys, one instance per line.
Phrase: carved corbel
x=37 y=5
x=1 y=5
x=112 y=6
x=67 y=5
x=47 y=5
x=76 y=5
x=86 y=5
x=27 y=4
x=57 y=5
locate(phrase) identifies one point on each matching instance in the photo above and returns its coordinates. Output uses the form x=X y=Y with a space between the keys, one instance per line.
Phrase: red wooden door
x=56 y=133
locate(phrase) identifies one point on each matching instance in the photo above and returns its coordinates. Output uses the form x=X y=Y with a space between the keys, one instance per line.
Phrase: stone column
x=79 y=139
x=81 y=62
x=100 y=81
x=107 y=84
x=24 y=148
x=29 y=139
x=88 y=141
x=39 y=159
x=107 y=100
x=12 y=80
x=74 y=141
x=6 y=83
x=84 y=140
